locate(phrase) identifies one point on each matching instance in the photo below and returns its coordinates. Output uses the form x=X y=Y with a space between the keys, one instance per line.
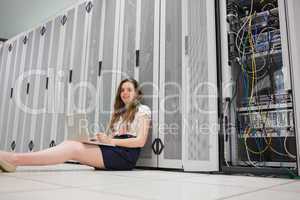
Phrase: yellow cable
x=252 y=151
x=253 y=64
x=252 y=58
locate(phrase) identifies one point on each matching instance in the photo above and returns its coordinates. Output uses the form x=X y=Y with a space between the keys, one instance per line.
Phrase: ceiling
x=17 y=16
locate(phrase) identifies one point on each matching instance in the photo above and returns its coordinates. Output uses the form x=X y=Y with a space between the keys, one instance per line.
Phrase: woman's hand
x=103 y=138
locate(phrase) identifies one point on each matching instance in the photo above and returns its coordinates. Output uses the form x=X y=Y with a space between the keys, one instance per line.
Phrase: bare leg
x=69 y=150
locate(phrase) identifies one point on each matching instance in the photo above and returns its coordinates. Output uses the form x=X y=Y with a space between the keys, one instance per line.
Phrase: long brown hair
x=120 y=109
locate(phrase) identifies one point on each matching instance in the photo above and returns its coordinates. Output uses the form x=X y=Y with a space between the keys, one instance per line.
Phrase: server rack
x=258 y=107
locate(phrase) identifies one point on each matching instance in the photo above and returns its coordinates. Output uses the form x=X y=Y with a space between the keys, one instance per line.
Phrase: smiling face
x=128 y=92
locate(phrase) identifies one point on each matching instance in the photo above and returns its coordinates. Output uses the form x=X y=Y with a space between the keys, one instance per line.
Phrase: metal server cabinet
x=258 y=100
x=135 y=54
x=165 y=44
x=292 y=15
x=67 y=57
x=141 y=39
x=57 y=82
x=185 y=51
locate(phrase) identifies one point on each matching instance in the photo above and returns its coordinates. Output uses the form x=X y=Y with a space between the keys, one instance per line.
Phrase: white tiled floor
x=82 y=182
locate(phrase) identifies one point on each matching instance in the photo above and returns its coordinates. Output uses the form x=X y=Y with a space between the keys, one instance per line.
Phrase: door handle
x=157 y=146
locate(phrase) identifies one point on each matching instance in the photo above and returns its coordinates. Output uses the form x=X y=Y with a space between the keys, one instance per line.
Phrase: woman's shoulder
x=144 y=109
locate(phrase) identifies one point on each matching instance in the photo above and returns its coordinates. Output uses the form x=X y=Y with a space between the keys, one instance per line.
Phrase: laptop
x=77 y=128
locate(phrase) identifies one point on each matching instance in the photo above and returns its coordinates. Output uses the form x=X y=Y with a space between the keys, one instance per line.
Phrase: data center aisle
x=71 y=181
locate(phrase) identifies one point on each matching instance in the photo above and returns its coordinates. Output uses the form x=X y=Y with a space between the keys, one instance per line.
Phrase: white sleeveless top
x=120 y=126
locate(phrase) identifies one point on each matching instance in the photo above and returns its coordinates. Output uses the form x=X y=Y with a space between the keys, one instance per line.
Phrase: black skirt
x=119 y=158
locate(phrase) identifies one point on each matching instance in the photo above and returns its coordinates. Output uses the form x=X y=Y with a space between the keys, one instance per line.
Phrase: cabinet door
x=3 y=69
x=93 y=63
x=29 y=92
x=32 y=96
x=170 y=117
x=19 y=93
x=146 y=69
x=62 y=77
x=12 y=105
x=21 y=90
x=199 y=75
x=107 y=59
x=48 y=103
x=129 y=11
x=11 y=50
x=52 y=98
x=41 y=83
x=69 y=88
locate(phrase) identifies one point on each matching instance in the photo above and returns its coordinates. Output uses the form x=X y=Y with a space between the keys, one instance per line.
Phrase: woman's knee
x=75 y=147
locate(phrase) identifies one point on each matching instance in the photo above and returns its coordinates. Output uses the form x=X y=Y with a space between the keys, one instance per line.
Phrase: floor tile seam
x=179 y=180
x=31 y=190
x=217 y=184
x=120 y=194
x=39 y=181
x=252 y=191
x=150 y=178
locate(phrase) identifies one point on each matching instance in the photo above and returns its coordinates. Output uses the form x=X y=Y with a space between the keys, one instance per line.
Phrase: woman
x=127 y=130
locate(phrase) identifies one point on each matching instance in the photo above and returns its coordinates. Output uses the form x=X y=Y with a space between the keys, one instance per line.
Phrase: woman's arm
x=142 y=134
x=139 y=141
